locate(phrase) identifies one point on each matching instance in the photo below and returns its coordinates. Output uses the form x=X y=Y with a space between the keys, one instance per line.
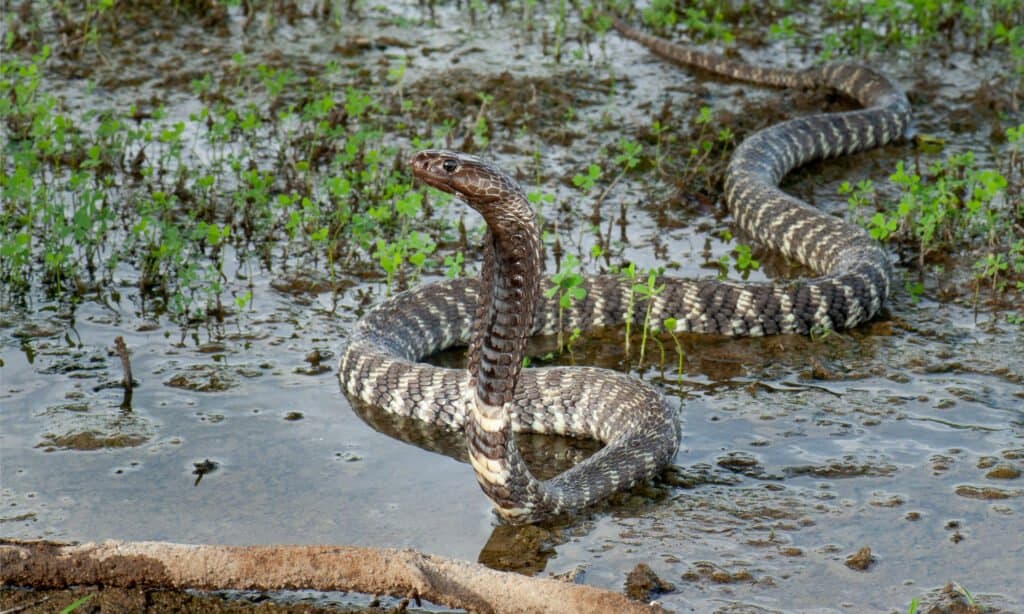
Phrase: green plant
x=560 y=26
x=413 y=248
x=860 y=195
x=966 y=593
x=574 y=336
x=955 y=206
x=708 y=28
x=658 y=131
x=881 y=227
x=627 y=159
x=745 y=261
x=782 y=29
x=629 y=155
x=586 y=182
x=1015 y=143
x=295 y=172
x=915 y=289
x=648 y=292
x=990 y=268
x=453 y=265
x=628 y=274
x=703 y=146
x=390 y=257
x=669 y=325
x=567 y=285
x=741 y=257
x=77 y=603
x=481 y=130
x=661 y=15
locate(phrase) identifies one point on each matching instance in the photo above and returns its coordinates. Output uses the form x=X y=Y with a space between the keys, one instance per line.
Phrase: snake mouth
x=462 y=175
x=429 y=167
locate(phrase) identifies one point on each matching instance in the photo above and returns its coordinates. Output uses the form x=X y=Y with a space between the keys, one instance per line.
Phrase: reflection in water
x=524 y=549
x=546 y=455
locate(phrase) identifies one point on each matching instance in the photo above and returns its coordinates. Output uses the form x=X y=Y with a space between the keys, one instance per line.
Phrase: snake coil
x=494 y=398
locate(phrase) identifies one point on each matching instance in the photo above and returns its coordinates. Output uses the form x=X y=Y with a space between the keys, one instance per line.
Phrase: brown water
x=905 y=436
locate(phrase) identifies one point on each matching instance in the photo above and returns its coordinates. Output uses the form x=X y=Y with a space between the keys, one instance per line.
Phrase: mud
x=110 y=599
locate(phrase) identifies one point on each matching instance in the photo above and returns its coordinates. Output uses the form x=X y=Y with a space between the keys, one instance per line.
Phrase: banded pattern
x=495 y=315
x=493 y=399
x=856 y=271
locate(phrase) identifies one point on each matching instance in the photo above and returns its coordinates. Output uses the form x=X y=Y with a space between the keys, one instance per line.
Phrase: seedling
x=567 y=285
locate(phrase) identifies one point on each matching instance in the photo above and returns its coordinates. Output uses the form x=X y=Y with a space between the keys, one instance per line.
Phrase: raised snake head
x=482 y=185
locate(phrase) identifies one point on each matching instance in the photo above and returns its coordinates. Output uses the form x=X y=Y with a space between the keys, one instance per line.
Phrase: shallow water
x=905 y=436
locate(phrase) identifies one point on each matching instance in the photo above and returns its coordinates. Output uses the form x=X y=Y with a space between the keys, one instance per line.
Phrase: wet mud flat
x=855 y=471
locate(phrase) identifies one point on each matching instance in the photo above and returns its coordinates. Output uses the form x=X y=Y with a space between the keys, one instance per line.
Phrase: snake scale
x=493 y=398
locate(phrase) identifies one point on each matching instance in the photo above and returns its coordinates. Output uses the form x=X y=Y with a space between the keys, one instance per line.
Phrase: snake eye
x=449 y=165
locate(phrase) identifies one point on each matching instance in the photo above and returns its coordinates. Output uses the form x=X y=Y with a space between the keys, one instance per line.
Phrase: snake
x=493 y=398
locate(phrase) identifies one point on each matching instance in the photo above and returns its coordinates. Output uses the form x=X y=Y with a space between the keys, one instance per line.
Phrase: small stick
x=126 y=365
x=122 y=352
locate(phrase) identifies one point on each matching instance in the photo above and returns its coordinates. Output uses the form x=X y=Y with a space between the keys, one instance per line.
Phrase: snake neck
x=511 y=278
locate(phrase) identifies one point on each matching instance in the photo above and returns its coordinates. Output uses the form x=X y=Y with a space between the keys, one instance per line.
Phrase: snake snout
x=420 y=162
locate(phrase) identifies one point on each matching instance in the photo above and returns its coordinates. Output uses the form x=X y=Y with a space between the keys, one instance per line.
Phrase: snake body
x=494 y=398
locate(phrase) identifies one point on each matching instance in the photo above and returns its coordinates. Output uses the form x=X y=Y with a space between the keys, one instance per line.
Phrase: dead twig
x=126 y=366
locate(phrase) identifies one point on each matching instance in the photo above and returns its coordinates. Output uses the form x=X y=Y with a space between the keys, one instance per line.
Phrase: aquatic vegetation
x=629 y=273
x=567 y=286
x=647 y=292
x=669 y=326
x=288 y=173
x=280 y=167
x=741 y=257
x=952 y=207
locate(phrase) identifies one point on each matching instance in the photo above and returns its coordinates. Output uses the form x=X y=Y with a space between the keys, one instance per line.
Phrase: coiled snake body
x=493 y=397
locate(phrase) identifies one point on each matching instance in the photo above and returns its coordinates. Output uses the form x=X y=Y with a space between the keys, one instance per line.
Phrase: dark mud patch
x=707 y=571
x=501 y=105
x=955 y=599
x=303 y=282
x=90 y=440
x=642 y=584
x=860 y=560
x=110 y=599
x=211 y=378
x=999 y=471
x=846 y=467
x=87 y=429
x=987 y=493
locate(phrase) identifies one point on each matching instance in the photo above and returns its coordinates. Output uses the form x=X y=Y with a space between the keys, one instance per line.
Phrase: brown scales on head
x=468 y=177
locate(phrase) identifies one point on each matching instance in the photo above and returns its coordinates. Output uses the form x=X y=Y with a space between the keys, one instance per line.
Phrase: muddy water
x=905 y=436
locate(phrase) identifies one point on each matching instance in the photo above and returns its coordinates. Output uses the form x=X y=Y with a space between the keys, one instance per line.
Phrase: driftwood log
x=401 y=573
